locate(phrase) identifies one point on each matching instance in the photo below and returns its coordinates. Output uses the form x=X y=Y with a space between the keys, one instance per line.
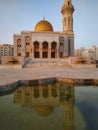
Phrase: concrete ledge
x=38 y=81
x=9 y=86
x=12 y=85
x=83 y=66
x=19 y=66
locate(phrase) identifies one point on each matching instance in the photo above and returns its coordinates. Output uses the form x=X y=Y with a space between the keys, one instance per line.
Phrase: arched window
x=45 y=92
x=53 y=50
x=45 y=49
x=27 y=40
x=53 y=45
x=36 y=45
x=61 y=46
x=61 y=43
x=18 y=42
x=61 y=39
x=45 y=45
x=36 y=50
x=53 y=92
x=36 y=92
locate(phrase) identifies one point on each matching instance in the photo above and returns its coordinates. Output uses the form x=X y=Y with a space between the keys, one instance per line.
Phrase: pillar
x=49 y=50
x=40 y=49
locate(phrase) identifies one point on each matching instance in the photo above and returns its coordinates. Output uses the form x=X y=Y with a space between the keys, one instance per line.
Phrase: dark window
x=36 y=55
x=53 y=46
x=52 y=54
x=45 y=54
x=19 y=54
x=45 y=45
x=36 y=45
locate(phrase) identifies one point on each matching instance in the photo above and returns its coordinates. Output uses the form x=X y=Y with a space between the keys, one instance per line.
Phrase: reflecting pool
x=56 y=106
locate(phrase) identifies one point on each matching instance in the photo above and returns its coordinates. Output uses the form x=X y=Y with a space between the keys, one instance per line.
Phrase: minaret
x=69 y=109
x=67 y=20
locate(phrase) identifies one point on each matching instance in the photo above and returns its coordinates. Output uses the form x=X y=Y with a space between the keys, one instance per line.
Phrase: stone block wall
x=7 y=59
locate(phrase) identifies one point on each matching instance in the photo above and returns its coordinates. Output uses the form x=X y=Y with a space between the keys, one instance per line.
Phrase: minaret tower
x=67 y=20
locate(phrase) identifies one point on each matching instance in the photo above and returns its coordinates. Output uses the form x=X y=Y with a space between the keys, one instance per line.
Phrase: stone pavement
x=10 y=75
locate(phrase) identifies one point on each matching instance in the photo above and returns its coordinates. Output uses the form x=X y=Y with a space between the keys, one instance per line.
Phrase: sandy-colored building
x=91 y=52
x=6 y=50
x=44 y=42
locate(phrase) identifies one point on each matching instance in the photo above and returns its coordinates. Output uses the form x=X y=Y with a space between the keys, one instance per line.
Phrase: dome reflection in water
x=49 y=101
x=56 y=106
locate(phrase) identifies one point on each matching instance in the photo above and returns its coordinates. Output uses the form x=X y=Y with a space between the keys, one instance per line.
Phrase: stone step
x=48 y=64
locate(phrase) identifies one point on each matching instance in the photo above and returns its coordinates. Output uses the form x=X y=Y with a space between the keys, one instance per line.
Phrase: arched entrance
x=27 y=46
x=61 y=47
x=53 y=49
x=36 y=50
x=45 y=49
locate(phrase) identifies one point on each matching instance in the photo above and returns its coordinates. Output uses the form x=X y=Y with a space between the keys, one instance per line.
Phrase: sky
x=21 y=15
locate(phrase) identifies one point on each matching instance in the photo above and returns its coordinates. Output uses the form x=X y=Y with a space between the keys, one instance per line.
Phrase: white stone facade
x=57 y=45
x=43 y=42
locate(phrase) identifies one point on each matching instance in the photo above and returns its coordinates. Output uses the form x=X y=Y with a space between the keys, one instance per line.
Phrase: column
x=49 y=91
x=49 y=50
x=57 y=50
x=58 y=91
x=40 y=49
x=32 y=49
x=40 y=92
x=23 y=44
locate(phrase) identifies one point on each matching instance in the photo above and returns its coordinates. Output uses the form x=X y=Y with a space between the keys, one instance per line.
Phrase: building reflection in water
x=44 y=98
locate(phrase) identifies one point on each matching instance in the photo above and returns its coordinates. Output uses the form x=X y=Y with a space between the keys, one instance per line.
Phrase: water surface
x=56 y=106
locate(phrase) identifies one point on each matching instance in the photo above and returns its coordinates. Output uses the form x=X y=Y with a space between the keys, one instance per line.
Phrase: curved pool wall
x=9 y=86
x=13 y=85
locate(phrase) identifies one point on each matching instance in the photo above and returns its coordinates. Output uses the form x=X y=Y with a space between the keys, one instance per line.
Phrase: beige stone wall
x=88 y=63
x=6 y=59
x=40 y=37
x=73 y=60
x=81 y=66
x=6 y=66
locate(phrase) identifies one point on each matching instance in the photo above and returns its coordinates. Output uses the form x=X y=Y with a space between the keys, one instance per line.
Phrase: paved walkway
x=10 y=75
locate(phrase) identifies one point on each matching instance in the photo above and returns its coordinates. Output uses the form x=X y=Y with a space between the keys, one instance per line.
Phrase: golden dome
x=44 y=110
x=43 y=25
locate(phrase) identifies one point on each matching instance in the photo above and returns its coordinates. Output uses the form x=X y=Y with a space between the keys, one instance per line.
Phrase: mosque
x=44 y=42
x=44 y=47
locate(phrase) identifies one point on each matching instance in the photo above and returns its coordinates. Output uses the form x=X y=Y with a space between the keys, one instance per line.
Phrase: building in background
x=6 y=50
x=91 y=52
